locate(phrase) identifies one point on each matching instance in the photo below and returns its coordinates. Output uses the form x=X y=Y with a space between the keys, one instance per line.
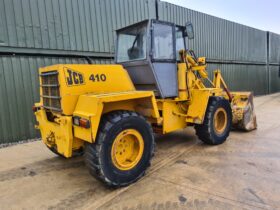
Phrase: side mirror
x=189 y=30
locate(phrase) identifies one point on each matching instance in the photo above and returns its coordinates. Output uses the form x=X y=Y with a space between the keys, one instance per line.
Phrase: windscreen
x=132 y=44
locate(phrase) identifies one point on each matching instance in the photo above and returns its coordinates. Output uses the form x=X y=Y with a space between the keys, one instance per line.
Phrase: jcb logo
x=73 y=77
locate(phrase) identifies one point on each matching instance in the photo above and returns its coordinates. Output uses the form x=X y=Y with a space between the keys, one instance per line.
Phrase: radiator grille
x=50 y=90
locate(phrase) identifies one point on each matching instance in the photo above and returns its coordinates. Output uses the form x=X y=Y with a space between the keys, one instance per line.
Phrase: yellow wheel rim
x=127 y=149
x=220 y=120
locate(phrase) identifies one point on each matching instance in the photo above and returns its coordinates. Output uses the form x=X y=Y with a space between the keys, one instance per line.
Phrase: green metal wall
x=274 y=74
x=254 y=77
x=274 y=48
x=36 y=33
x=274 y=62
x=216 y=38
x=76 y=25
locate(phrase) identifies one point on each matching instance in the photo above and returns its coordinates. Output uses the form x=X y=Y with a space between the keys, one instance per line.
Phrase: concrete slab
x=243 y=173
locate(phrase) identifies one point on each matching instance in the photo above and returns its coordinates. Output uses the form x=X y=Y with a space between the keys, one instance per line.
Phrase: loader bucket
x=243 y=112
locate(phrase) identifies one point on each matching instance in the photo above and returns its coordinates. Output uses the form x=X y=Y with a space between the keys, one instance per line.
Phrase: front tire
x=123 y=149
x=217 y=122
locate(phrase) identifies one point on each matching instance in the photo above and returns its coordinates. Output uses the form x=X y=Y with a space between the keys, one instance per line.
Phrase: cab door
x=163 y=58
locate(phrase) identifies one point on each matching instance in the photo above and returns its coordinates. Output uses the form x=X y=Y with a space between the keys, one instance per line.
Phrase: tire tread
x=93 y=150
x=203 y=131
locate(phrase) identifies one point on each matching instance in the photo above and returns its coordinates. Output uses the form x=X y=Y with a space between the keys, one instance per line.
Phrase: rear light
x=84 y=123
x=78 y=121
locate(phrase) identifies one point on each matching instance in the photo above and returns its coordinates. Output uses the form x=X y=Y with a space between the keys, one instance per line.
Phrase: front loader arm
x=243 y=112
x=219 y=81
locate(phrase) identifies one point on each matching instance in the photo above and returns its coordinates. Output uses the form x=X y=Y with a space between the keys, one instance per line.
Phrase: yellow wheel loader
x=111 y=112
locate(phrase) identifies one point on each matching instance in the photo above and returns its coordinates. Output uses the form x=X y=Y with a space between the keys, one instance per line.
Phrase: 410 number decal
x=98 y=77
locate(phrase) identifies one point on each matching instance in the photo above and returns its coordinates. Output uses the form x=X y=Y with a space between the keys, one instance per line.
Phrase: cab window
x=132 y=44
x=163 y=47
x=180 y=45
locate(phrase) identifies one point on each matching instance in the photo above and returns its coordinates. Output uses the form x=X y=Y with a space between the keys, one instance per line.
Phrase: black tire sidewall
x=111 y=172
x=220 y=138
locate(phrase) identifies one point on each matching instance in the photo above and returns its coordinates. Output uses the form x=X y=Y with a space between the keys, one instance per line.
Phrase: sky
x=261 y=14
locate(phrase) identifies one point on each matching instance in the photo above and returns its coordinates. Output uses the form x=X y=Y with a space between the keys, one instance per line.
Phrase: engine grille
x=50 y=91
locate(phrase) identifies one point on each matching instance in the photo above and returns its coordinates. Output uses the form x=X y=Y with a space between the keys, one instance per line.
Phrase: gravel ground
x=242 y=173
x=19 y=142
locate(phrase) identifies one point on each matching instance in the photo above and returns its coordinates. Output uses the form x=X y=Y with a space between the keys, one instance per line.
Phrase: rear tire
x=217 y=122
x=112 y=164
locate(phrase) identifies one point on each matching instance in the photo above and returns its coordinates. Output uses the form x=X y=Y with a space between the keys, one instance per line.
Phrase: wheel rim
x=220 y=120
x=127 y=149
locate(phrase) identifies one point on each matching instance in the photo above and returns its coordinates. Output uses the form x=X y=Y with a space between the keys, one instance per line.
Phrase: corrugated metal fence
x=274 y=62
x=216 y=38
x=76 y=25
x=35 y=33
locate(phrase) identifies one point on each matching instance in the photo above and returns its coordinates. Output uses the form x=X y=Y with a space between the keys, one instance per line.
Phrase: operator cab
x=149 y=51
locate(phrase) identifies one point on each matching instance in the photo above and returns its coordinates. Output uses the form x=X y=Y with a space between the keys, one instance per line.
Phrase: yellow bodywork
x=58 y=134
x=92 y=106
x=96 y=79
x=89 y=91
x=89 y=99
